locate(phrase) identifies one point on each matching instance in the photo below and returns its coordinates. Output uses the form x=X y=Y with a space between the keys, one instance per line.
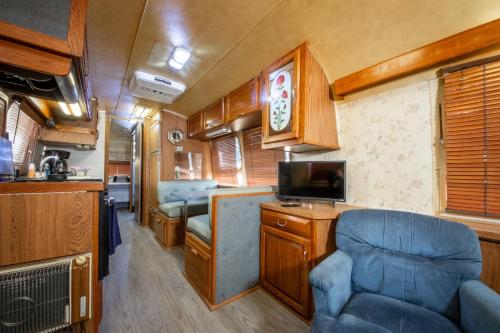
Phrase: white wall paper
x=386 y=141
x=93 y=159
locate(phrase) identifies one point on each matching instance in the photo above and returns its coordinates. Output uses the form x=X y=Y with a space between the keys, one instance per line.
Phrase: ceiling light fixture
x=75 y=109
x=179 y=57
x=64 y=108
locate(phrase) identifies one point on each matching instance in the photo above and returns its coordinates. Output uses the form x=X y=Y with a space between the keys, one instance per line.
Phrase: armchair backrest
x=167 y=189
x=412 y=257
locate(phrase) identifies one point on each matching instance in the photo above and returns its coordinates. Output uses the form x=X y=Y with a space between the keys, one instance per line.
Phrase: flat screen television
x=311 y=180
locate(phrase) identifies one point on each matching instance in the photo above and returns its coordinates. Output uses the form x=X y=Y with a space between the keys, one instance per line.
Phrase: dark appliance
x=311 y=180
x=57 y=164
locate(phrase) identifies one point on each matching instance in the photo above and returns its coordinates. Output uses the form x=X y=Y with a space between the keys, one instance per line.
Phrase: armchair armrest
x=479 y=307
x=331 y=283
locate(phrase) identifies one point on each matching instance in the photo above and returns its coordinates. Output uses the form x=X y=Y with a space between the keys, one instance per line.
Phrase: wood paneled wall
x=172 y=121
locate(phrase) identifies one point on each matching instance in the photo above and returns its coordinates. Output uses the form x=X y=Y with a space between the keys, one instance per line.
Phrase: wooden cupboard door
x=285 y=263
x=244 y=100
x=197 y=267
x=214 y=115
x=195 y=125
x=280 y=120
x=154 y=174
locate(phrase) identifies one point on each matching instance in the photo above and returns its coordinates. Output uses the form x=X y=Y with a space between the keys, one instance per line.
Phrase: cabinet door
x=195 y=125
x=244 y=100
x=214 y=115
x=154 y=174
x=280 y=120
x=285 y=262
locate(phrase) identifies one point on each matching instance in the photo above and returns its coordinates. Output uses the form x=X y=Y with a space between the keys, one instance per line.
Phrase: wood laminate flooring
x=146 y=292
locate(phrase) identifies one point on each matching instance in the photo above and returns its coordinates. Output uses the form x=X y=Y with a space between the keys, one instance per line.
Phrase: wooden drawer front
x=159 y=228
x=197 y=267
x=289 y=223
x=44 y=226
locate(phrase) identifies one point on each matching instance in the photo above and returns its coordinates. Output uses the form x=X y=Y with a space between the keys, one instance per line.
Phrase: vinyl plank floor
x=146 y=292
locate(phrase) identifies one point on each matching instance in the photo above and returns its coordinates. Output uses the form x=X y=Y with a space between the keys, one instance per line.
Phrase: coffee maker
x=54 y=164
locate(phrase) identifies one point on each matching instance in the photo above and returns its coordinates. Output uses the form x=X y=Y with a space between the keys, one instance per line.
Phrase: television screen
x=312 y=180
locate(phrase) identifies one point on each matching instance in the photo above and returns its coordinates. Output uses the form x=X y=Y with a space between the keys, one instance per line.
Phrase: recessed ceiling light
x=179 y=57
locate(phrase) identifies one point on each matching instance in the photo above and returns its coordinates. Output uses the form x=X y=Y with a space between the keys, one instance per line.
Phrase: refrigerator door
x=137 y=172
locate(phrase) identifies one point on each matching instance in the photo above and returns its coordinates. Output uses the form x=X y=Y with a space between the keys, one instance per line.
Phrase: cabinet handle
x=194 y=251
x=282 y=224
x=305 y=258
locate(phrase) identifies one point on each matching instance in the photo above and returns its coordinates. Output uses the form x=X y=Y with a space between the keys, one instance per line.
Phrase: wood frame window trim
x=472 y=138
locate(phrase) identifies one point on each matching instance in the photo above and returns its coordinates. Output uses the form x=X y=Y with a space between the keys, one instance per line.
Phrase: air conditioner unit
x=218 y=132
x=155 y=88
x=45 y=297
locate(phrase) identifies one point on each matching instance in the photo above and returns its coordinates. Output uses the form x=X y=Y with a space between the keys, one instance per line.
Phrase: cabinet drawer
x=289 y=223
x=197 y=267
x=159 y=228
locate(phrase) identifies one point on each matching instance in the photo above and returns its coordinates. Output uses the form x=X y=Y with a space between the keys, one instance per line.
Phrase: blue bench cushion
x=367 y=312
x=199 y=226
x=175 y=208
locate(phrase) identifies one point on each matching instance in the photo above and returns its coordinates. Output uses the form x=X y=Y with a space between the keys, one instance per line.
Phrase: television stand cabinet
x=292 y=241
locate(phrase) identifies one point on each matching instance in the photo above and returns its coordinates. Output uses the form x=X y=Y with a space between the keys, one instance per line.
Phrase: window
x=226 y=155
x=261 y=165
x=23 y=132
x=472 y=142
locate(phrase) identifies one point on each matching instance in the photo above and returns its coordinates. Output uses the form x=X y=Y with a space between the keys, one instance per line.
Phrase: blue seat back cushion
x=166 y=190
x=238 y=249
x=411 y=257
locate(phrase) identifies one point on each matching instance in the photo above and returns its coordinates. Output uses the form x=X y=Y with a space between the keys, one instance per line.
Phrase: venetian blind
x=226 y=156
x=261 y=165
x=23 y=132
x=472 y=113
x=3 y=109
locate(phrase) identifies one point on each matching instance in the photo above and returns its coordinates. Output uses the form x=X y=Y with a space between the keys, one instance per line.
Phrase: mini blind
x=472 y=118
x=226 y=156
x=3 y=110
x=23 y=132
x=261 y=165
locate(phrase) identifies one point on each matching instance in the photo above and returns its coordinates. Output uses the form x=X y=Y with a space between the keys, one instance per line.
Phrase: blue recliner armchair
x=402 y=272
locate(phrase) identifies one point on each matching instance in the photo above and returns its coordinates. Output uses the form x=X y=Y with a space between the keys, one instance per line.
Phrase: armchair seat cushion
x=175 y=208
x=199 y=226
x=366 y=312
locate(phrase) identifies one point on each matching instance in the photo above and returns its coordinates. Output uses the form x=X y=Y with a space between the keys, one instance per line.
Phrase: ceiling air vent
x=155 y=88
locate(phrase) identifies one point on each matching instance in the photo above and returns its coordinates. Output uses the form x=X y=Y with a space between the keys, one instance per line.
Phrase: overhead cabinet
x=213 y=116
x=244 y=100
x=195 y=125
x=54 y=25
x=298 y=114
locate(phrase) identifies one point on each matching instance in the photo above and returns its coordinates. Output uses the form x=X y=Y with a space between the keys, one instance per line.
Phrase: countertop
x=45 y=186
x=316 y=211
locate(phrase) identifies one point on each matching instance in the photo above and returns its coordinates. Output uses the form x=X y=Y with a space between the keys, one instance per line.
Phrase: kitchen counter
x=44 y=186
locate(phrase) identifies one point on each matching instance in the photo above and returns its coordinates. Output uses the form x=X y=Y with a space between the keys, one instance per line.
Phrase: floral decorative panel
x=386 y=140
x=280 y=100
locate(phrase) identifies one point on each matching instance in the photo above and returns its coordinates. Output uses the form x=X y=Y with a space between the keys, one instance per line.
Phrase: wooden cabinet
x=27 y=22
x=195 y=125
x=293 y=241
x=169 y=231
x=197 y=262
x=244 y=100
x=213 y=115
x=285 y=266
x=298 y=112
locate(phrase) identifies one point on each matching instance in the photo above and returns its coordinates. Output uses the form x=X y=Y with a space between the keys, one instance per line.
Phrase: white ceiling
x=232 y=40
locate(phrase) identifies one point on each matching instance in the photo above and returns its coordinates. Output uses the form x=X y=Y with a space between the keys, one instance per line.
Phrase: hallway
x=146 y=292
